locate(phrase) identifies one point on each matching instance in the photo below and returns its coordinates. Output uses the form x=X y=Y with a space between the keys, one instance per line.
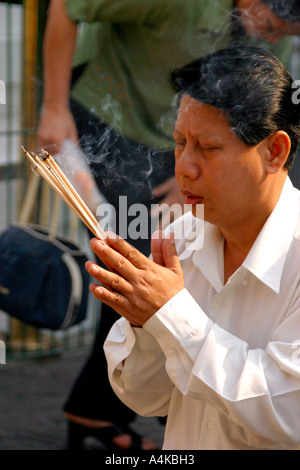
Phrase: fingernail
x=94 y=270
x=98 y=244
x=157 y=235
x=170 y=236
x=112 y=235
x=99 y=290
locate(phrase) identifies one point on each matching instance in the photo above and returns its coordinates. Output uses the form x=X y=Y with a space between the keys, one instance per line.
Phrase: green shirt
x=131 y=46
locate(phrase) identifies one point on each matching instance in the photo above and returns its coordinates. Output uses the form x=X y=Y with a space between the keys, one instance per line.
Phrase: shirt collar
x=266 y=259
x=208 y=258
x=268 y=254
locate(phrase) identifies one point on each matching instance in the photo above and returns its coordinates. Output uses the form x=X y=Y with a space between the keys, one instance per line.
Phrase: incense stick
x=45 y=165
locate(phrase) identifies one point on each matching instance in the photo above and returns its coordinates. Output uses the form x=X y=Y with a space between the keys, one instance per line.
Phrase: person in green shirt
x=106 y=85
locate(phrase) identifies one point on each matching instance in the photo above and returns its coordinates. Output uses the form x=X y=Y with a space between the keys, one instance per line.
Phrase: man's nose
x=187 y=166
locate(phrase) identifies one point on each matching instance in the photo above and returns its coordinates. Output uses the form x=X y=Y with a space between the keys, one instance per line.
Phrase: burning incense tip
x=44 y=165
x=45 y=154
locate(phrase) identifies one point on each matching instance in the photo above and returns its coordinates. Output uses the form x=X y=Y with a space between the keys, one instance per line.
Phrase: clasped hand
x=134 y=285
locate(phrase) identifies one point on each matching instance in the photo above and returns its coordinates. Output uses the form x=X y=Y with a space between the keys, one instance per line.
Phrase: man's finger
x=170 y=255
x=134 y=256
x=115 y=261
x=112 y=299
x=156 y=247
x=111 y=280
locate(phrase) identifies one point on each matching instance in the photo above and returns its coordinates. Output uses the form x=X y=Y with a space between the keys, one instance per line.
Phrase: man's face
x=214 y=167
x=260 y=21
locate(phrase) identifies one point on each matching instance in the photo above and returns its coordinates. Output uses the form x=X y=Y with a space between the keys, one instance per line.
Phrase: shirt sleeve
x=136 y=369
x=114 y=11
x=257 y=389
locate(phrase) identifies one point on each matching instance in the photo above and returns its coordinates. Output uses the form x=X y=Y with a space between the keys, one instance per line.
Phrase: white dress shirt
x=222 y=361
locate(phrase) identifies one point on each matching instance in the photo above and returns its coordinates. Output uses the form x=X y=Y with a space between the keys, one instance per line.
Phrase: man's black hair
x=286 y=9
x=251 y=86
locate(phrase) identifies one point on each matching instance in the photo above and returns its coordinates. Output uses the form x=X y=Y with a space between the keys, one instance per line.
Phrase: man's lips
x=191 y=198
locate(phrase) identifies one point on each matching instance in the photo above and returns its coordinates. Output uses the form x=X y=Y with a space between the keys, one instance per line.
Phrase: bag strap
x=53 y=229
x=46 y=214
x=29 y=200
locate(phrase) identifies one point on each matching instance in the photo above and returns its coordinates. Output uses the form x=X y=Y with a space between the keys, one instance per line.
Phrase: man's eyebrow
x=199 y=136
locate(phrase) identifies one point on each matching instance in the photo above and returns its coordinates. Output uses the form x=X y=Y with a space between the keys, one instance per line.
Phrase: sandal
x=77 y=433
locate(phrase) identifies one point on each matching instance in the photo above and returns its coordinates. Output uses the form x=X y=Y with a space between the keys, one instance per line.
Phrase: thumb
x=156 y=247
x=170 y=256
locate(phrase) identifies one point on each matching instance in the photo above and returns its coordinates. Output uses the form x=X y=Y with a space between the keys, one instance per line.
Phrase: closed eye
x=179 y=141
x=210 y=148
x=207 y=148
x=178 y=138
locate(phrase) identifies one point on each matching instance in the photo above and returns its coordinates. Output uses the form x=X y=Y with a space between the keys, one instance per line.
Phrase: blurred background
x=21 y=32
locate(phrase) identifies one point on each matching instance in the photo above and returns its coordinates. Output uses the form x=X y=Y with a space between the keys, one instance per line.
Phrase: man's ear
x=279 y=146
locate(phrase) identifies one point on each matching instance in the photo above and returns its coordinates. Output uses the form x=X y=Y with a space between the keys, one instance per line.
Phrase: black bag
x=43 y=281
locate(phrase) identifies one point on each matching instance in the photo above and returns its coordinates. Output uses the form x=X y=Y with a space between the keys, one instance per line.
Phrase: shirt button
x=220 y=303
x=244 y=282
x=210 y=425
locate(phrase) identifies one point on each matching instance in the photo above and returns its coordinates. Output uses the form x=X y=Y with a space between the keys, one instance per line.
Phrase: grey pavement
x=32 y=393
